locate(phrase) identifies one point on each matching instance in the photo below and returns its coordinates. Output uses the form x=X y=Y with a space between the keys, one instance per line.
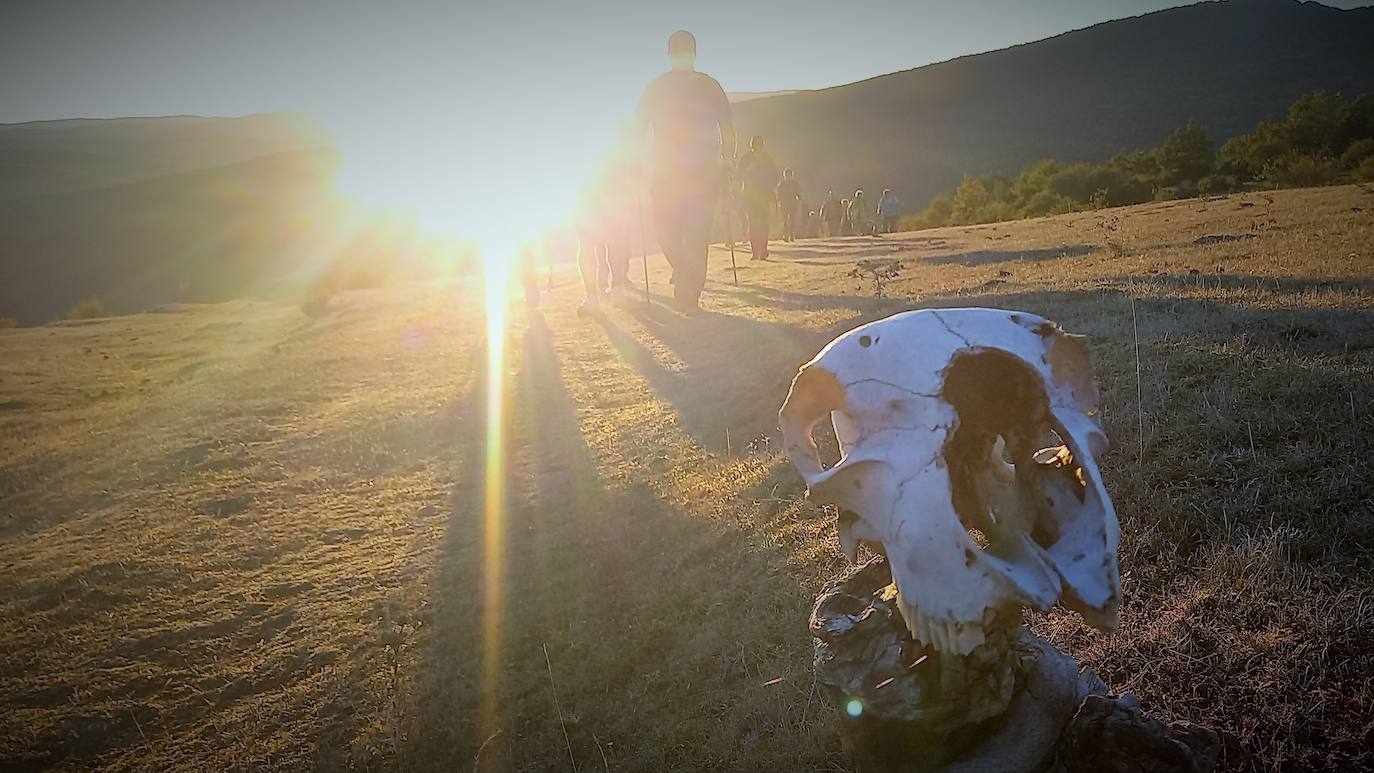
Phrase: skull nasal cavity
x=993 y=393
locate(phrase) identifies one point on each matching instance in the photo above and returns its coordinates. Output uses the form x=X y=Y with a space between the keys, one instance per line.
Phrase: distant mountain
x=745 y=96
x=56 y=156
x=1081 y=96
x=203 y=235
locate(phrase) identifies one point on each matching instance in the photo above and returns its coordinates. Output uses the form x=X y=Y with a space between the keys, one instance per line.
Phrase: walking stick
x=643 y=247
x=729 y=236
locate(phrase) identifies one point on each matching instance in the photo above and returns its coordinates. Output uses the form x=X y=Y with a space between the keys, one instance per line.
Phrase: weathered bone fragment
x=969 y=442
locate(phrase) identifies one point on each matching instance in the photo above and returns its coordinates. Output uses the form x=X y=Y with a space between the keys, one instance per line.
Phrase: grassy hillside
x=54 y=156
x=1081 y=96
x=233 y=536
x=204 y=235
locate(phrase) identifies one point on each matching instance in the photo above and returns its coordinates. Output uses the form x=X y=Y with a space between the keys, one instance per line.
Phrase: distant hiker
x=605 y=210
x=832 y=214
x=527 y=265
x=788 y=194
x=860 y=220
x=758 y=178
x=813 y=225
x=688 y=116
x=887 y=210
x=846 y=224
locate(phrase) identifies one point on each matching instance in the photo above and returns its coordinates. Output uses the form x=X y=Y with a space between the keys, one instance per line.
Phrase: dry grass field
x=233 y=537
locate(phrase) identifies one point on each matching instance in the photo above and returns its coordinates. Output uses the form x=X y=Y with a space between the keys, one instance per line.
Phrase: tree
x=91 y=308
x=1187 y=156
x=971 y=202
x=1315 y=124
x=1033 y=180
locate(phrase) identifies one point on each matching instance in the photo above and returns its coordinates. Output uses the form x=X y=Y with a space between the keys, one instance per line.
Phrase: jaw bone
x=969 y=441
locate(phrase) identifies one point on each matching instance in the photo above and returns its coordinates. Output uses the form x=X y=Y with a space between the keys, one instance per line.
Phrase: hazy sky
x=60 y=58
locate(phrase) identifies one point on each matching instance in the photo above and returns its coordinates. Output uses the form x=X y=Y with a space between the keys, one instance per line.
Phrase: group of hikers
x=690 y=168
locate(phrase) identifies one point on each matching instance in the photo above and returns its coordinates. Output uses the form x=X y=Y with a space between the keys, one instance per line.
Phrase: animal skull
x=956 y=421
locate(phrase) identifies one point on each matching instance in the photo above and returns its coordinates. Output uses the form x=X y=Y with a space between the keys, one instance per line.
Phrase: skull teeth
x=942 y=634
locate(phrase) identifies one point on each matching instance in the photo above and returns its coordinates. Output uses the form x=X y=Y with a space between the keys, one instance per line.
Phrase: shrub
x=1296 y=170
x=1047 y=203
x=90 y=308
x=1218 y=183
x=8 y=322
x=1357 y=153
x=934 y=215
x=1365 y=172
x=315 y=304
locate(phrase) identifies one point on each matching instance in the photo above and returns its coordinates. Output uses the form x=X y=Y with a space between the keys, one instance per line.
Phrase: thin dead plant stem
x=1139 y=391
x=562 y=723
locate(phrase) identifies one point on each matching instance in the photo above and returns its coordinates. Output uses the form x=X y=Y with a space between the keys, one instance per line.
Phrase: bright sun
x=498 y=189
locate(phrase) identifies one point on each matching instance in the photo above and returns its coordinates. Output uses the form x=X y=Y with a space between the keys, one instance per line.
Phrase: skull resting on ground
x=969 y=442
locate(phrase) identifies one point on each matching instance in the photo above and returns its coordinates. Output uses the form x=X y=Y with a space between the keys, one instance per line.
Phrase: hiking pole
x=643 y=247
x=729 y=236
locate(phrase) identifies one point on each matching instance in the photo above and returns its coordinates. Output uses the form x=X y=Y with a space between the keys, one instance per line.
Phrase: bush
x=934 y=215
x=1296 y=170
x=1218 y=183
x=90 y=308
x=1047 y=203
x=7 y=323
x=1365 y=172
x=1357 y=153
x=315 y=304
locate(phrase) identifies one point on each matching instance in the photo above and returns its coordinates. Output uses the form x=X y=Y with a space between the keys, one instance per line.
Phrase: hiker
x=688 y=117
x=846 y=224
x=832 y=214
x=813 y=225
x=605 y=209
x=788 y=194
x=860 y=222
x=527 y=267
x=887 y=210
x=758 y=178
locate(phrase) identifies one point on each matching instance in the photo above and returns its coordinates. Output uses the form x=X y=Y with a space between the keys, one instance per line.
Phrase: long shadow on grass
x=626 y=595
x=728 y=362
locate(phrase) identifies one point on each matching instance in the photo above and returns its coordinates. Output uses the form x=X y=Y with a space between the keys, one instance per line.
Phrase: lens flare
x=854 y=708
x=496 y=278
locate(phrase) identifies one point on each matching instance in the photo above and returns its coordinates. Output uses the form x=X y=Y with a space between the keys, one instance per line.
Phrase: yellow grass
x=232 y=536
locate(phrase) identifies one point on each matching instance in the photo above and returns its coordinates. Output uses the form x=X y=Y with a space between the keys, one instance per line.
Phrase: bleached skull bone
x=969 y=441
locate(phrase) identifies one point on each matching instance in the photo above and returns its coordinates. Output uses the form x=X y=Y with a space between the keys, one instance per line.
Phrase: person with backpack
x=832 y=214
x=758 y=178
x=788 y=194
x=887 y=210
x=691 y=132
x=860 y=218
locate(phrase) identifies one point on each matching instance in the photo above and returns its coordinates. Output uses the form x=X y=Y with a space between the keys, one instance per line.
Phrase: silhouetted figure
x=887 y=210
x=527 y=266
x=813 y=225
x=860 y=218
x=789 y=203
x=758 y=177
x=832 y=214
x=846 y=224
x=606 y=210
x=689 y=117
